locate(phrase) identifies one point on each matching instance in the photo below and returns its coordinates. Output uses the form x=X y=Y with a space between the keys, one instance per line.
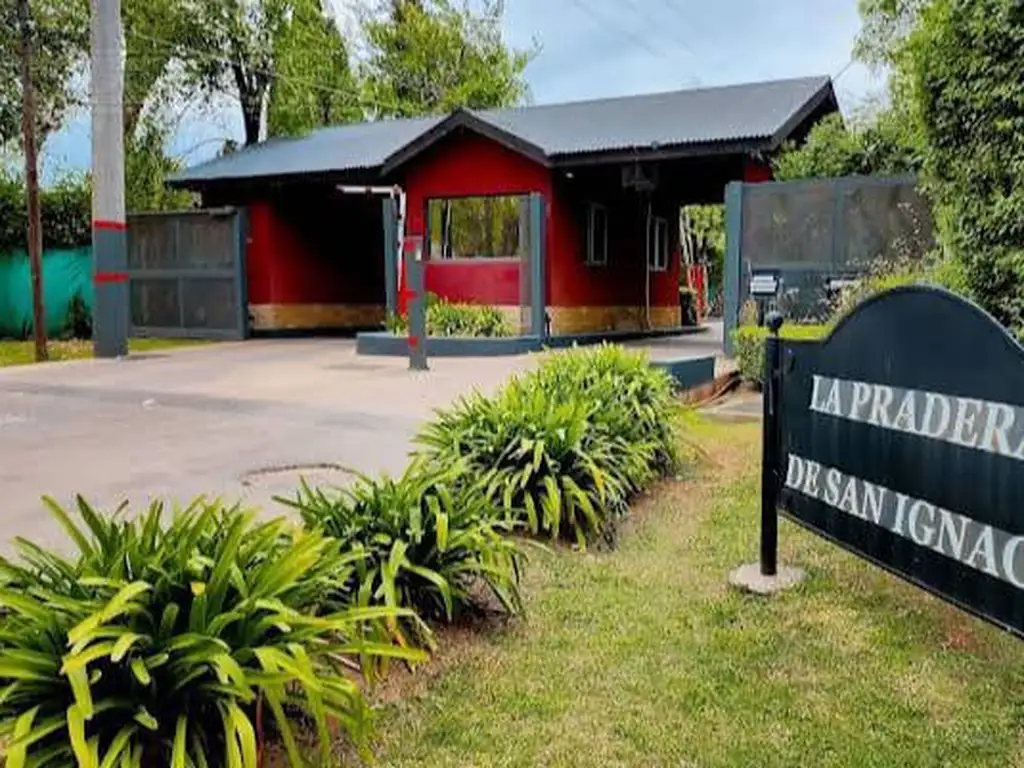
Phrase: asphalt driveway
x=240 y=421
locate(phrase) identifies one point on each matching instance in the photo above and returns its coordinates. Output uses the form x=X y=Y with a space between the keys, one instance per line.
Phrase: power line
x=845 y=69
x=624 y=31
x=675 y=37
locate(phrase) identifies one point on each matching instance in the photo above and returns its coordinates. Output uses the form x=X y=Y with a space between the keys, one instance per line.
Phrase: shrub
x=78 y=324
x=688 y=306
x=445 y=318
x=749 y=343
x=539 y=460
x=422 y=542
x=630 y=398
x=158 y=644
x=562 y=450
x=884 y=275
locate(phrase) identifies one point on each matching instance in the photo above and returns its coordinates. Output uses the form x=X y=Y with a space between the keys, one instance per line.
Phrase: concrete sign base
x=749 y=579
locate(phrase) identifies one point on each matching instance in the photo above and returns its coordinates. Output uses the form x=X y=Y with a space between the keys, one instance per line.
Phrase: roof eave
x=462 y=118
x=369 y=174
x=823 y=97
x=663 y=152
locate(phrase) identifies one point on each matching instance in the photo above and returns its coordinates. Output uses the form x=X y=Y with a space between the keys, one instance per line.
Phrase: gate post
x=538 y=266
x=765 y=577
x=416 y=305
x=770 y=448
x=732 y=272
x=390 y=217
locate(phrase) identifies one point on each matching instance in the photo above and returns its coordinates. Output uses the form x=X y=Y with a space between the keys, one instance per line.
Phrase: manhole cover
x=291 y=475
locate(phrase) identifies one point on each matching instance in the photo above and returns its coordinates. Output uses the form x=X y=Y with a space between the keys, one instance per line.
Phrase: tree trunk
x=35 y=229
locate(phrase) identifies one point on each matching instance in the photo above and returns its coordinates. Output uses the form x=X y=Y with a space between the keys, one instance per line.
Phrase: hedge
x=749 y=341
x=65 y=209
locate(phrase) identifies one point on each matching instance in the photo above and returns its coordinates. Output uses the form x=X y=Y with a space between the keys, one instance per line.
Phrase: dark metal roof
x=338 y=148
x=760 y=115
x=698 y=116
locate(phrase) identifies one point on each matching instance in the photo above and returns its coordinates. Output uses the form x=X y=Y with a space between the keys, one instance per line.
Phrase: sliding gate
x=186 y=274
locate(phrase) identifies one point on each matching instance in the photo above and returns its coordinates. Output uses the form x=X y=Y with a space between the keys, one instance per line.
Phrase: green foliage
x=961 y=66
x=59 y=43
x=749 y=346
x=158 y=643
x=423 y=542
x=886 y=145
x=632 y=399
x=703 y=227
x=309 y=48
x=688 y=306
x=66 y=214
x=885 y=26
x=432 y=56
x=944 y=273
x=883 y=276
x=146 y=168
x=452 y=319
x=230 y=47
x=78 y=324
x=561 y=451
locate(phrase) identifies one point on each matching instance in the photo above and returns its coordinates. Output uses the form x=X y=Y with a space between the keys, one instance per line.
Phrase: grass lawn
x=644 y=657
x=23 y=352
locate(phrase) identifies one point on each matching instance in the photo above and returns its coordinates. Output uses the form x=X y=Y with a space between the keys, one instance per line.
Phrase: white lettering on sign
x=978 y=545
x=996 y=428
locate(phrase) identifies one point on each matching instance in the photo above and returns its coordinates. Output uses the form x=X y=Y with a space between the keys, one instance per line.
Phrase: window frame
x=440 y=258
x=659 y=256
x=590 y=259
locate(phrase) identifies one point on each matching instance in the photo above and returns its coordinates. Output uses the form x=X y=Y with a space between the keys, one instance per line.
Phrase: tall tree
x=26 y=53
x=962 y=66
x=153 y=30
x=230 y=46
x=60 y=39
x=313 y=84
x=885 y=27
x=431 y=56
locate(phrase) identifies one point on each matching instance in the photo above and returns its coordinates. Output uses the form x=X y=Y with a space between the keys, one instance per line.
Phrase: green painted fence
x=65 y=274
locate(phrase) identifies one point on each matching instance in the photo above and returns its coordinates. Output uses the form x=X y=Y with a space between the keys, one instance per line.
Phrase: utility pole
x=109 y=231
x=28 y=134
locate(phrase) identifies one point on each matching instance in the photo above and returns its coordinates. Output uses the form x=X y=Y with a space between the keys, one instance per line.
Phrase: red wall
x=312 y=247
x=459 y=167
x=473 y=165
x=622 y=281
x=755 y=172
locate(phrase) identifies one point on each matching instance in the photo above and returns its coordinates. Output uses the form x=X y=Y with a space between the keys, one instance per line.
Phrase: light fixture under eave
x=570 y=175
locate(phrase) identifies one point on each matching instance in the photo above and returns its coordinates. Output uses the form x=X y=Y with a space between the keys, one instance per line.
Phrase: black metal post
x=770 y=448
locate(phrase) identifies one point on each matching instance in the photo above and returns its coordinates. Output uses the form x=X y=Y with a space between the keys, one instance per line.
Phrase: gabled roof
x=753 y=117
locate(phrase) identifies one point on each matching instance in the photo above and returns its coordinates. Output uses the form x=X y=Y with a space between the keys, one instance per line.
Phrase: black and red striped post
x=109 y=231
x=110 y=275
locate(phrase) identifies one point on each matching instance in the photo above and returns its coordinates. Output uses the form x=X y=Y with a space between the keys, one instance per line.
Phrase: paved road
x=218 y=420
x=233 y=420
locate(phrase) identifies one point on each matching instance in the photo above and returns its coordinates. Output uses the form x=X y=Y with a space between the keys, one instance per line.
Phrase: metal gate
x=186 y=274
x=812 y=233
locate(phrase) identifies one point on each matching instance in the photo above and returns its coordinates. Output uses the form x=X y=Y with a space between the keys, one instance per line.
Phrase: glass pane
x=478 y=227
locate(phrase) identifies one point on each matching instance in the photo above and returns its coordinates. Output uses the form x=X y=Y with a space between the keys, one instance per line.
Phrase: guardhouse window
x=597 y=235
x=659 y=244
x=485 y=227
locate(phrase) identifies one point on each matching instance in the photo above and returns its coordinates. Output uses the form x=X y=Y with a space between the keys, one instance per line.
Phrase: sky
x=597 y=48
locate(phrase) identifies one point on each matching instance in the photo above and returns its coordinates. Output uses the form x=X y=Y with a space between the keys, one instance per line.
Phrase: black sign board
x=901 y=438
